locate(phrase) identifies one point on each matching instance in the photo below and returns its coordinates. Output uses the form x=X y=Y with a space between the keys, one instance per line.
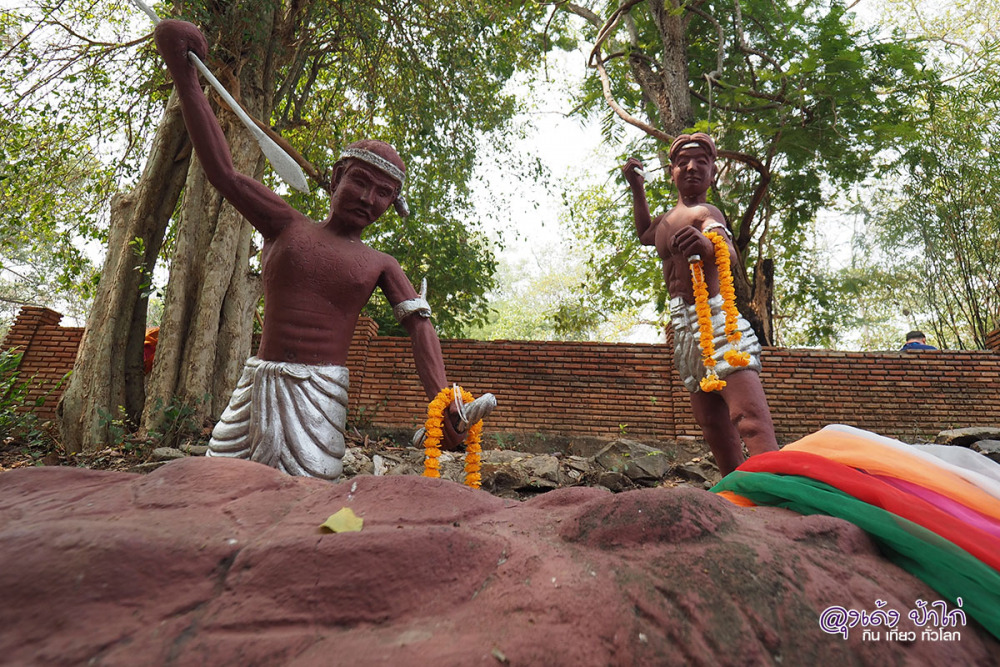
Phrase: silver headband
x=376 y=160
x=380 y=163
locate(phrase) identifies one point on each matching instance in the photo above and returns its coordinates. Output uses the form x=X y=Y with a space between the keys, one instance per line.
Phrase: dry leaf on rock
x=343 y=521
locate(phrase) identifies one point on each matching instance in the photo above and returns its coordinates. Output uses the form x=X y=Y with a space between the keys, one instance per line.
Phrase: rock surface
x=617 y=465
x=990 y=448
x=222 y=562
x=963 y=437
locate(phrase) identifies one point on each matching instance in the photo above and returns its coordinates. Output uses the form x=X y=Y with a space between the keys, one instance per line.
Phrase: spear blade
x=282 y=163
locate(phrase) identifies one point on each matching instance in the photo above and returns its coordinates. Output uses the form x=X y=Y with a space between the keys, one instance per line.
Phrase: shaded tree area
x=801 y=100
x=52 y=182
x=923 y=251
x=425 y=77
x=934 y=242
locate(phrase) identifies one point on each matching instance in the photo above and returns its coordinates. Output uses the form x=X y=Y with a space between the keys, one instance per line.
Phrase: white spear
x=283 y=164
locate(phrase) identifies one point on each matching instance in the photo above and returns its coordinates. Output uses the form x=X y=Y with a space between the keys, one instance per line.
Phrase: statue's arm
x=714 y=222
x=645 y=227
x=259 y=205
x=413 y=313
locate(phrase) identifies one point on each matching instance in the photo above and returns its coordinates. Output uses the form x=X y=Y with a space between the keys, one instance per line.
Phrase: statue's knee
x=748 y=422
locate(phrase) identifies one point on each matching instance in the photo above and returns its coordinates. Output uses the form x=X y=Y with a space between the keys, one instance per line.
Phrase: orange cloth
x=874 y=457
x=736 y=499
x=149 y=349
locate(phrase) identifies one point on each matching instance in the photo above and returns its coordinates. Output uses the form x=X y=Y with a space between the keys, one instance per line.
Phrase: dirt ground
x=17 y=452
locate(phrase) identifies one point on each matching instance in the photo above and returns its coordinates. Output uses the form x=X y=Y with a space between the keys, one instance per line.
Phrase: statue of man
x=739 y=410
x=289 y=407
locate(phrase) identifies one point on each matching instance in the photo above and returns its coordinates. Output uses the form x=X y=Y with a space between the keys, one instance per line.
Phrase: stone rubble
x=617 y=465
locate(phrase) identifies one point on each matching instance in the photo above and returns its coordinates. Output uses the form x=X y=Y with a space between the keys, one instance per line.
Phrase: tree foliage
x=426 y=76
x=798 y=96
x=539 y=298
x=923 y=255
x=54 y=184
x=429 y=78
x=935 y=229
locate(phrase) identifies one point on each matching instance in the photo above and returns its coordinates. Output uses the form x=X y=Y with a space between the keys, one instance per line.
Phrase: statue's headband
x=383 y=165
x=696 y=140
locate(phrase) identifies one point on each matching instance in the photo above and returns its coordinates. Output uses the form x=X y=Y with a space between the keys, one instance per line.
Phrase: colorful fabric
x=149 y=349
x=878 y=456
x=960 y=512
x=938 y=519
x=877 y=493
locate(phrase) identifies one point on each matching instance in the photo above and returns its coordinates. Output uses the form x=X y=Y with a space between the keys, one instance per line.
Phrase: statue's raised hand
x=174 y=39
x=633 y=172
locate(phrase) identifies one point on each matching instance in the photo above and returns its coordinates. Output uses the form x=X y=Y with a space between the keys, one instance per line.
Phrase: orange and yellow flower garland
x=711 y=381
x=435 y=432
x=728 y=292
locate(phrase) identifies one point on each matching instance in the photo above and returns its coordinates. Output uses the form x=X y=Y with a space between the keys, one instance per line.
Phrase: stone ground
x=224 y=562
x=515 y=466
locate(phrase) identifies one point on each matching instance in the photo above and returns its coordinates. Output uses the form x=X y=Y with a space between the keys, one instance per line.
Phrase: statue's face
x=693 y=170
x=361 y=194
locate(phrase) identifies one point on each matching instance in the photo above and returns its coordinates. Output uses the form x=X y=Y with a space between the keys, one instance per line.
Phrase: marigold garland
x=728 y=292
x=711 y=381
x=435 y=432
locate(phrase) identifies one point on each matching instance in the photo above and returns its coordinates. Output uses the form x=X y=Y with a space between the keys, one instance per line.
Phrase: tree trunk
x=110 y=353
x=761 y=301
x=668 y=88
x=207 y=316
x=211 y=296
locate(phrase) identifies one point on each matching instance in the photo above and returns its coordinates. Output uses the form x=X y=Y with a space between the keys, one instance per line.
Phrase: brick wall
x=48 y=354
x=605 y=389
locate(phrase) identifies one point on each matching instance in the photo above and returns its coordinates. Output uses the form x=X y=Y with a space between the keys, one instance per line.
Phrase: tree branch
x=720 y=53
x=582 y=12
x=624 y=115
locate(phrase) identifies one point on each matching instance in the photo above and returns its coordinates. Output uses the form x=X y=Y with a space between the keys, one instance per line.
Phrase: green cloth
x=943 y=566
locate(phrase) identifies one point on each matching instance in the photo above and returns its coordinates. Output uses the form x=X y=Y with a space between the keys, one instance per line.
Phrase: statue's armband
x=417 y=306
x=715 y=224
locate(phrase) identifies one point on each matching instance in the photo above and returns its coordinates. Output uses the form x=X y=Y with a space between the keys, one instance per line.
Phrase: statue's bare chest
x=310 y=259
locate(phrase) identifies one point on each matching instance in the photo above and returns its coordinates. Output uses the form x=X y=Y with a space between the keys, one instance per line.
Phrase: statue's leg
x=712 y=414
x=749 y=412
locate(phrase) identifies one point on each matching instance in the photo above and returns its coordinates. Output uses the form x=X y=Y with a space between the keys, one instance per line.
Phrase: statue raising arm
x=265 y=210
x=645 y=227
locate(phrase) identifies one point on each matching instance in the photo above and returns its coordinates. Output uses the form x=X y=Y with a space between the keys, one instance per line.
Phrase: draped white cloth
x=288 y=416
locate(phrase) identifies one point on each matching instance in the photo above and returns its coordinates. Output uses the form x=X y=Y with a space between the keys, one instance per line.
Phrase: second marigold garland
x=435 y=433
x=711 y=381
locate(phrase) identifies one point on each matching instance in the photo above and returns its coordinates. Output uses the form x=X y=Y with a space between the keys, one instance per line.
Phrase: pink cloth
x=958 y=510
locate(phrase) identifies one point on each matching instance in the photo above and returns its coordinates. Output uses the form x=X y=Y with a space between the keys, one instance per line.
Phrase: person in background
x=915 y=340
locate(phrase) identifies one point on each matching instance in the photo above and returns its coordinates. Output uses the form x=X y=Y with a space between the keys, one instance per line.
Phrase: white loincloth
x=288 y=416
x=687 y=342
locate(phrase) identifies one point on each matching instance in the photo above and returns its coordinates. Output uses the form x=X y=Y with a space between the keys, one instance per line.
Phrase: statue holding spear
x=289 y=407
